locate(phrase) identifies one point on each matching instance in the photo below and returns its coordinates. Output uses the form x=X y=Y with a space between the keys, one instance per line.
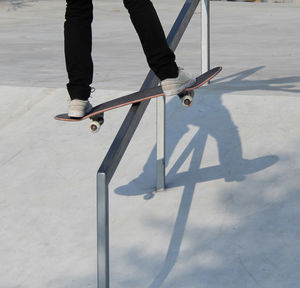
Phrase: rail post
x=120 y=143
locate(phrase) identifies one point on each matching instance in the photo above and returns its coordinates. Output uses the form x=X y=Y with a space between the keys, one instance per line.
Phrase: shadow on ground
x=257 y=247
x=16 y=4
x=233 y=167
x=213 y=120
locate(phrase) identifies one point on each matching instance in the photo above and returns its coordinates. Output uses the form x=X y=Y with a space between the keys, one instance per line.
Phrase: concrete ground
x=230 y=215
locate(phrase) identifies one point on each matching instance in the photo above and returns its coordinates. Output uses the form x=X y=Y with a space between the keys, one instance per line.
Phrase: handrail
x=119 y=145
x=132 y=120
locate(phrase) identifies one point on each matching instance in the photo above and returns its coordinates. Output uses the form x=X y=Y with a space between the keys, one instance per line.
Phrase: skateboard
x=96 y=114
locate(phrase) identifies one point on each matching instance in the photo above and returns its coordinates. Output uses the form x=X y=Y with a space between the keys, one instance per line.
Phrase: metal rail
x=161 y=101
x=120 y=143
x=205 y=9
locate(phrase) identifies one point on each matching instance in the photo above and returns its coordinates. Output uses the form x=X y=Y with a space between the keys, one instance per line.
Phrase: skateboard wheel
x=187 y=99
x=95 y=126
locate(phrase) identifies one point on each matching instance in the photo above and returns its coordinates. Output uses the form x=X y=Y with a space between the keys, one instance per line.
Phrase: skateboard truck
x=97 y=122
x=186 y=98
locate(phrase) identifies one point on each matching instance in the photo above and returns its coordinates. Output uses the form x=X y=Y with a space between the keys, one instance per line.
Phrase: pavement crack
x=11 y=158
x=248 y=272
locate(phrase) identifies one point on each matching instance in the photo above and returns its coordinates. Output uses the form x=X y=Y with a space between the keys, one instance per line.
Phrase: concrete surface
x=230 y=215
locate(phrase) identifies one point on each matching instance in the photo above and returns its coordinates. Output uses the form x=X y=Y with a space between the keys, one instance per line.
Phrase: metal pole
x=129 y=125
x=175 y=34
x=119 y=145
x=205 y=35
x=160 y=142
x=102 y=231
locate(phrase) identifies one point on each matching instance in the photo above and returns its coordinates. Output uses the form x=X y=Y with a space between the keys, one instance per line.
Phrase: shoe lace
x=93 y=89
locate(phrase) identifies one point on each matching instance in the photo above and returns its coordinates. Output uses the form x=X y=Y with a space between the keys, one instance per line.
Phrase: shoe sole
x=76 y=115
x=79 y=114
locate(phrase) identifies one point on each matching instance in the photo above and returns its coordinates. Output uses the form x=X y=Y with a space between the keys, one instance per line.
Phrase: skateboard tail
x=218 y=70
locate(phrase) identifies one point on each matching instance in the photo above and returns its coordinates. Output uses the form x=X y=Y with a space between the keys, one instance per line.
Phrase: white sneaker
x=173 y=86
x=79 y=108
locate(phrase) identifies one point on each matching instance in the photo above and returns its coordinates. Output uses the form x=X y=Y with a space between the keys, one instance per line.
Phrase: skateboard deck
x=137 y=97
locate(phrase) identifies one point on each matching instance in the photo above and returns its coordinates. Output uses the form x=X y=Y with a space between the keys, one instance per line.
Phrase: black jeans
x=78 y=43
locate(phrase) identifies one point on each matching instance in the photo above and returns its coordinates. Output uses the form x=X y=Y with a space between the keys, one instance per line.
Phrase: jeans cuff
x=78 y=91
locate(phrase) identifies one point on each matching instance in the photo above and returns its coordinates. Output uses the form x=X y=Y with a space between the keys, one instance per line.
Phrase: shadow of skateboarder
x=211 y=118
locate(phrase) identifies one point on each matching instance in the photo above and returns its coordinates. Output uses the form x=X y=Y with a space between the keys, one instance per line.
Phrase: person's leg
x=78 y=47
x=160 y=57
